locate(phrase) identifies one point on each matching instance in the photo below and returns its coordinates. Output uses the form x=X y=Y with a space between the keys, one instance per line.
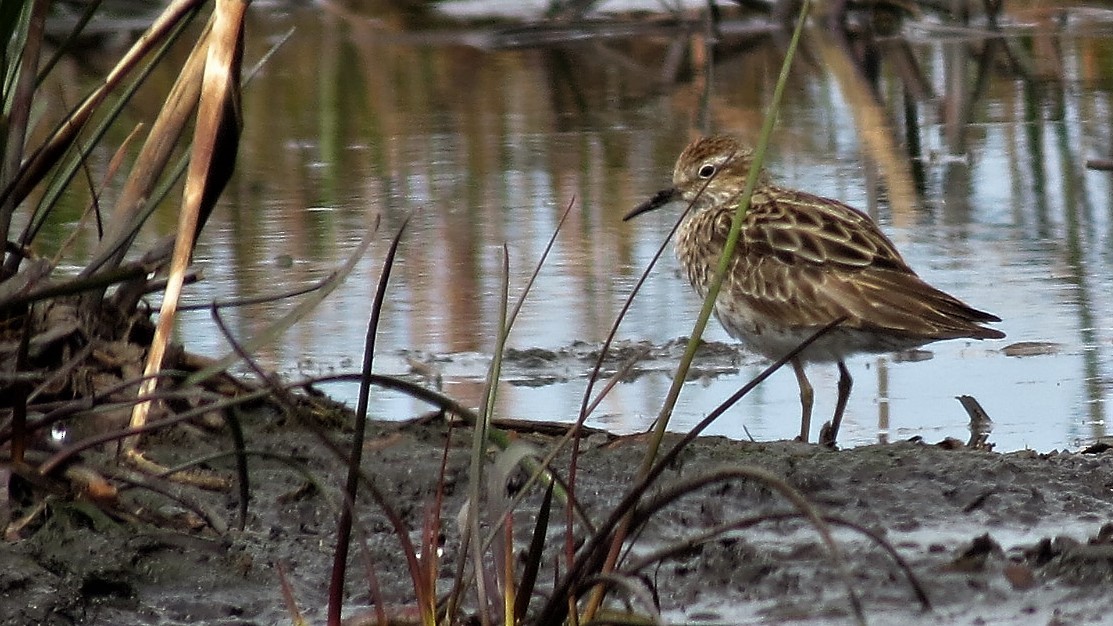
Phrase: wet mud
x=991 y=538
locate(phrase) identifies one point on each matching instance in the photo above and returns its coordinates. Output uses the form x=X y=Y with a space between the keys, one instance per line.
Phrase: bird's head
x=711 y=171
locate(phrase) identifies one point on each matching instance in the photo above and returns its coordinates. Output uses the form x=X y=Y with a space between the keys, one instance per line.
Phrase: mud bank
x=992 y=538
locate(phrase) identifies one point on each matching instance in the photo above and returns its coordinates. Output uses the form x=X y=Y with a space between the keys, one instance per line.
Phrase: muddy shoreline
x=993 y=538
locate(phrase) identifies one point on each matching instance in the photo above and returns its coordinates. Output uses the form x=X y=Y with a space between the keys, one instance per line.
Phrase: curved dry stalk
x=238 y=454
x=211 y=518
x=56 y=411
x=685 y=487
x=99 y=281
x=592 y=555
x=240 y=450
x=231 y=303
x=715 y=532
x=645 y=512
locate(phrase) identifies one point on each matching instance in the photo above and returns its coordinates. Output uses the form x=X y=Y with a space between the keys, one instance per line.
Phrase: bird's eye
x=706 y=171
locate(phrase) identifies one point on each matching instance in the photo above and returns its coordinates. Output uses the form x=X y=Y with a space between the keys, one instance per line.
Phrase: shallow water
x=354 y=121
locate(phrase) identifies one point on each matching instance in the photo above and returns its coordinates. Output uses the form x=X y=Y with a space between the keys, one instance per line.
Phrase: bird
x=803 y=262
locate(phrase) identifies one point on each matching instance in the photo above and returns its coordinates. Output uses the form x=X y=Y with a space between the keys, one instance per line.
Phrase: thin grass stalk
x=236 y=429
x=586 y=409
x=727 y=255
x=508 y=583
x=670 y=457
x=661 y=424
x=94 y=208
x=638 y=590
x=355 y=455
x=281 y=395
x=537 y=267
x=432 y=526
x=211 y=518
x=482 y=422
x=375 y=592
x=591 y=555
x=587 y=406
x=13 y=33
x=479 y=440
x=64 y=47
x=496 y=436
x=460 y=581
x=240 y=448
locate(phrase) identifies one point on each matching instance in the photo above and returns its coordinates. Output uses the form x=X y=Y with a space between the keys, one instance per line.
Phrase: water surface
x=977 y=170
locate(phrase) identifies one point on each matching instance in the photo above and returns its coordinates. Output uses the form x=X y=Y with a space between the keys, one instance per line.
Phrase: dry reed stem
x=216 y=135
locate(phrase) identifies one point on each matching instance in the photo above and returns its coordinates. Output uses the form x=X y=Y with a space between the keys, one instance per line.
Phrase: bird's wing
x=803 y=228
x=805 y=261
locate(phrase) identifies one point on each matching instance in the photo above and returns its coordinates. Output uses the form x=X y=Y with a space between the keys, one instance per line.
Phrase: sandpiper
x=803 y=261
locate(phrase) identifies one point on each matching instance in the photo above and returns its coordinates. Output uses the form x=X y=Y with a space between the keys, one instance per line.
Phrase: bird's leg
x=830 y=431
x=806 y=397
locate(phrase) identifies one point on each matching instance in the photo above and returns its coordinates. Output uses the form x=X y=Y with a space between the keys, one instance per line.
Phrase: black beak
x=659 y=199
